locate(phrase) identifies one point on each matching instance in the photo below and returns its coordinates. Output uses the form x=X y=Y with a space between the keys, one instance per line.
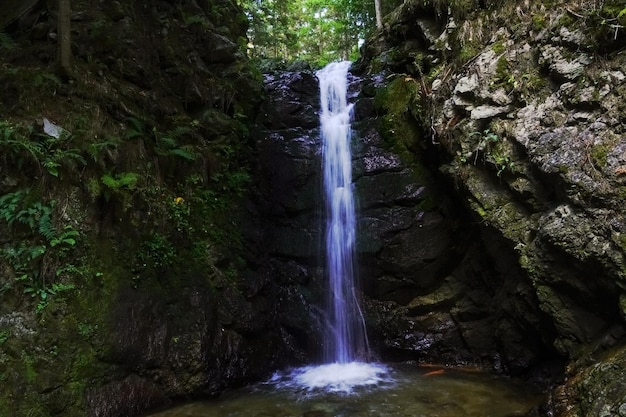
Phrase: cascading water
x=346 y=335
x=373 y=388
x=346 y=338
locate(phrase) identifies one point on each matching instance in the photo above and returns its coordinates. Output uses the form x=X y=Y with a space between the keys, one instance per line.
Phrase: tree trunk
x=379 y=17
x=64 y=39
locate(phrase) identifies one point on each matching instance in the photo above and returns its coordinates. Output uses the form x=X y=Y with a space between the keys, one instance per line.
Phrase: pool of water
x=398 y=391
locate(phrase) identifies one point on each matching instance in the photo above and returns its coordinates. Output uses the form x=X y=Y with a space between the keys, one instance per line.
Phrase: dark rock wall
x=166 y=303
x=521 y=117
x=437 y=287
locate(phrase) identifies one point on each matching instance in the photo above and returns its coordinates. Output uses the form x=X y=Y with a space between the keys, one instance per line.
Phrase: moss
x=567 y=21
x=599 y=154
x=28 y=362
x=502 y=69
x=539 y=22
x=614 y=12
x=498 y=47
x=467 y=52
x=400 y=102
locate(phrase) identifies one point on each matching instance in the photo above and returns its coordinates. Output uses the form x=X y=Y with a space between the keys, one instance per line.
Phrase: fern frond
x=136 y=124
x=186 y=152
x=95 y=150
x=137 y=128
x=179 y=131
x=6 y=42
x=46 y=228
x=167 y=142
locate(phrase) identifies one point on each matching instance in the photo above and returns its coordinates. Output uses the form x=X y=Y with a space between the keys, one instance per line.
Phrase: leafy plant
x=23 y=145
x=43 y=293
x=17 y=146
x=4 y=336
x=165 y=144
x=487 y=145
x=87 y=330
x=194 y=19
x=97 y=149
x=118 y=183
x=157 y=252
x=485 y=139
x=42 y=245
x=6 y=42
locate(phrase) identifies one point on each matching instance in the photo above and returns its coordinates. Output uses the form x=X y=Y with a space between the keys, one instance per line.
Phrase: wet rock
x=293 y=101
x=560 y=67
x=219 y=49
x=598 y=390
x=488 y=112
x=131 y=396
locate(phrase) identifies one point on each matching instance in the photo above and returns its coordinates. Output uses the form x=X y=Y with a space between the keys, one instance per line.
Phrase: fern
x=45 y=226
x=179 y=132
x=167 y=144
x=16 y=144
x=6 y=42
x=124 y=180
x=185 y=152
x=9 y=204
x=95 y=150
x=40 y=79
x=137 y=128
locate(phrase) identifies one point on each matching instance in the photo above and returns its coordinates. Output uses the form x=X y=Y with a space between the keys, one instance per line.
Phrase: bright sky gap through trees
x=318 y=31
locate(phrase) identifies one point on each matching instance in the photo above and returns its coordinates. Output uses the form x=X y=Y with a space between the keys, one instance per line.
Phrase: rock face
x=430 y=291
x=160 y=299
x=287 y=198
x=526 y=126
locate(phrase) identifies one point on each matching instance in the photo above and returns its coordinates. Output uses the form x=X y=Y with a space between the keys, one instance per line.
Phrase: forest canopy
x=318 y=31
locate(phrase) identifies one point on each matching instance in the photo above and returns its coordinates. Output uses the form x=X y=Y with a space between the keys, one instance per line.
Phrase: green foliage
x=24 y=146
x=232 y=183
x=598 y=155
x=115 y=182
x=157 y=253
x=488 y=146
x=96 y=150
x=6 y=42
x=137 y=128
x=313 y=30
x=40 y=79
x=41 y=246
x=195 y=19
x=29 y=364
x=4 y=336
x=42 y=293
x=87 y=330
x=400 y=102
x=119 y=185
x=165 y=144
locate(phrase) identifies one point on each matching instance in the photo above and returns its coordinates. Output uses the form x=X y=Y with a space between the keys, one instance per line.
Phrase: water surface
x=405 y=391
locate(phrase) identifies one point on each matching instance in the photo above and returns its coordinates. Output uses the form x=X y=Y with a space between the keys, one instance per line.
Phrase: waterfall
x=346 y=338
x=346 y=346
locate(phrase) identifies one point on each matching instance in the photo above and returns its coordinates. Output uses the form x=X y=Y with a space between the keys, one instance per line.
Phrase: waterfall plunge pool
x=372 y=390
x=342 y=387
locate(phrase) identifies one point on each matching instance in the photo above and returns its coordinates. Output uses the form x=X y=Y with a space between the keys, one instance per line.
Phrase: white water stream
x=346 y=335
x=346 y=386
x=346 y=338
